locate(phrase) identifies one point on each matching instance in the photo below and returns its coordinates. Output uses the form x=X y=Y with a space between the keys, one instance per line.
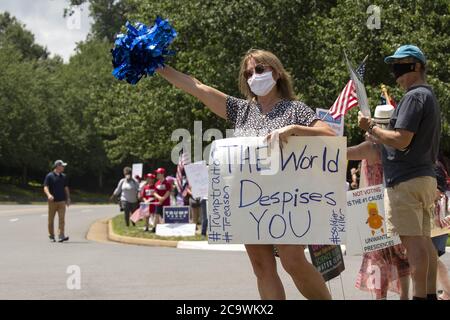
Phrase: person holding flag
x=148 y=196
x=409 y=152
x=162 y=195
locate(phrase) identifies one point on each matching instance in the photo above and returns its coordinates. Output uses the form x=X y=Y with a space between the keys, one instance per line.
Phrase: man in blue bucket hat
x=410 y=149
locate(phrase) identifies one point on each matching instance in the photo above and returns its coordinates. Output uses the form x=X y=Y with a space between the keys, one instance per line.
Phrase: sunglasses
x=259 y=69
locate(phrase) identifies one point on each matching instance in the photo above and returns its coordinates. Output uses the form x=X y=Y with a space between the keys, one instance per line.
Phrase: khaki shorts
x=409 y=207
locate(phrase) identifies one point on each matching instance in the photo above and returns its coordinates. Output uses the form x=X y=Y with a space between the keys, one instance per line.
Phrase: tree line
x=78 y=112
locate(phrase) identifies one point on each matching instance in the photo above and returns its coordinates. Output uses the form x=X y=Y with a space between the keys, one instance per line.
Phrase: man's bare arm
x=48 y=194
x=67 y=191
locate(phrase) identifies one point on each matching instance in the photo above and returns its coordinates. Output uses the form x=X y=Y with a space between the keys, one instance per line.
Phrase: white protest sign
x=137 y=170
x=336 y=124
x=197 y=175
x=176 y=230
x=295 y=195
x=366 y=226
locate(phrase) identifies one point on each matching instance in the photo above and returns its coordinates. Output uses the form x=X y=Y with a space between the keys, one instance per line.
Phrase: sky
x=44 y=18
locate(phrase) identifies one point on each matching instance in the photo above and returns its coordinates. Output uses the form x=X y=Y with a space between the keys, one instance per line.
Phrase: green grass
x=448 y=242
x=120 y=228
x=33 y=192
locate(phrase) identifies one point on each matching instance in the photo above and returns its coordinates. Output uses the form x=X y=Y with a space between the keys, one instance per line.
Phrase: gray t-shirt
x=128 y=190
x=417 y=112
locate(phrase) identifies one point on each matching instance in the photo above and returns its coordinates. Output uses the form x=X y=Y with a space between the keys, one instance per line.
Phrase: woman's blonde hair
x=284 y=83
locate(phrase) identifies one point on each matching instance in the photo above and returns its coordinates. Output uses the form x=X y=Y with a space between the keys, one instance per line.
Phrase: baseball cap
x=59 y=163
x=406 y=51
x=161 y=170
x=150 y=176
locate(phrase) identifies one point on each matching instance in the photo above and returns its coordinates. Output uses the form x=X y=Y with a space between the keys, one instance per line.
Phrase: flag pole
x=386 y=94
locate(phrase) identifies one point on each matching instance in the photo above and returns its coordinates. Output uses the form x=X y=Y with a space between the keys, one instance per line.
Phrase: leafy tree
x=213 y=36
x=424 y=23
x=85 y=80
x=79 y=112
x=13 y=33
x=25 y=135
x=309 y=37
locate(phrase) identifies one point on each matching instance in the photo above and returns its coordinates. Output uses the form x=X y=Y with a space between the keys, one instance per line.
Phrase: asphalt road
x=33 y=268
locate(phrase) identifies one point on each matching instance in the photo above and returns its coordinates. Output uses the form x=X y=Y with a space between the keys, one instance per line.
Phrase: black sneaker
x=52 y=238
x=63 y=238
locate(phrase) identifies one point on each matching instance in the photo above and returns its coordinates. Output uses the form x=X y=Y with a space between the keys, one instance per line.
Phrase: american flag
x=183 y=160
x=140 y=213
x=347 y=99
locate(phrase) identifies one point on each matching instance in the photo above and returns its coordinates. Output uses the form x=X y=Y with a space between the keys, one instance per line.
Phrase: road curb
x=192 y=245
x=112 y=236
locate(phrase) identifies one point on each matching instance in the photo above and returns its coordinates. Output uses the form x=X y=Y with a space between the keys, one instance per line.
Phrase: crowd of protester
x=144 y=198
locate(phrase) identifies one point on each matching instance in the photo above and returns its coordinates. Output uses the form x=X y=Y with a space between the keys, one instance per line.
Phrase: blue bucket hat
x=405 y=52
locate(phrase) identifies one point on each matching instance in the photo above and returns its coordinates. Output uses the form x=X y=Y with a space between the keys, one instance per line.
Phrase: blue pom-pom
x=142 y=50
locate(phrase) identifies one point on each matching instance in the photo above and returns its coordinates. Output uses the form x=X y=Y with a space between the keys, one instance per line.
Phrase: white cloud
x=44 y=18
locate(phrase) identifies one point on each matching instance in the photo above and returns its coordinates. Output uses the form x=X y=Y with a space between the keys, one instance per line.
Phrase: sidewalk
x=203 y=245
x=105 y=226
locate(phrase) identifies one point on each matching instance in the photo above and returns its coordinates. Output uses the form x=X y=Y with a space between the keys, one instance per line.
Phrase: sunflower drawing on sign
x=375 y=221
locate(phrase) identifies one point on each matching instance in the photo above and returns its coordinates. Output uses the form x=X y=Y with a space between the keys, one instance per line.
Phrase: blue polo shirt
x=56 y=184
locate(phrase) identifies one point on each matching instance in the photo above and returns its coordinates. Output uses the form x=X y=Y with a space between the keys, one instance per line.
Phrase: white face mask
x=261 y=84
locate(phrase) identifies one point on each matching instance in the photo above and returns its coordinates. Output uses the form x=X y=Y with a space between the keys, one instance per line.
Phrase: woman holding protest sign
x=270 y=109
x=390 y=263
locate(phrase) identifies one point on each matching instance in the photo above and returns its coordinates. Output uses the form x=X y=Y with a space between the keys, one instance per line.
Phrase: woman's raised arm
x=214 y=99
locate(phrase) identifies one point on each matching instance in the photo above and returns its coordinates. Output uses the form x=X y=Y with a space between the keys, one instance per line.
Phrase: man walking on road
x=58 y=195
